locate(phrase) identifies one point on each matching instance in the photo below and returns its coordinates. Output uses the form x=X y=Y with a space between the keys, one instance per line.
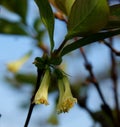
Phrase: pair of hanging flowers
x=65 y=102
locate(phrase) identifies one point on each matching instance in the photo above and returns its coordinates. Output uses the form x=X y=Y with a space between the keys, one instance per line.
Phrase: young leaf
x=8 y=27
x=87 y=40
x=47 y=18
x=65 y=5
x=87 y=17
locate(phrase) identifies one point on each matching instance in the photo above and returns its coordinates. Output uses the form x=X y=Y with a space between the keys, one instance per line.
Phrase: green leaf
x=20 y=79
x=65 y=5
x=8 y=27
x=87 y=40
x=37 y=24
x=39 y=30
x=47 y=18
x=114 y=19
x=16 y=6
x=87 y=17
x=25 y=78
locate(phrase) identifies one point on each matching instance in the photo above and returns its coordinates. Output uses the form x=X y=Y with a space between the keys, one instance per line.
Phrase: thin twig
x=114 y=79
x=93 y=79
x=39 y=75
x=60 y=47
x=111 y=47
x=105 y=106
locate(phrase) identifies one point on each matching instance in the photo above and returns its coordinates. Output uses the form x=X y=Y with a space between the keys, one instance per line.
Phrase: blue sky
x=11 y=48
x=11 y=98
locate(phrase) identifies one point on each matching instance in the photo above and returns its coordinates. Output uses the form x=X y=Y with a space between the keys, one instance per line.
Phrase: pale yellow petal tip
x=69 y=103
x=41 y=100
x=16 y=65
x=66 y=105
x=12 y=68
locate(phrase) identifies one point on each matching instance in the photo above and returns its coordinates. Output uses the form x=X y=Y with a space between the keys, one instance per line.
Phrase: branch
x=105 y=106
x=93 y=79
x=39 y=75
x=111 y=47
x=114 y=79
x=57 y=52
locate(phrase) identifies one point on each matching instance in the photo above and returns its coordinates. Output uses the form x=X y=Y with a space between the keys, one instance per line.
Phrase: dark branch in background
x=93 y=80
x=111 y=47
x=39 y=75
x=88 y=66
x=114 y=76
x=114 y=79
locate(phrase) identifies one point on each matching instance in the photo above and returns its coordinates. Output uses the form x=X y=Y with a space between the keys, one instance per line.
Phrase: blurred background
x=21 y=34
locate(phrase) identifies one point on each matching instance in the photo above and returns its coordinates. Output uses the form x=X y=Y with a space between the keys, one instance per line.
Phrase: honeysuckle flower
x=61 y=93
x=15 y=66
x=66 y=100
x=41 y=96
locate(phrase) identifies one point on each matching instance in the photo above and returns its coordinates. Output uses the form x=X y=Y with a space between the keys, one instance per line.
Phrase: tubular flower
x=61 y=93
x=15 y=66
x=41 y=96
x=66 y=100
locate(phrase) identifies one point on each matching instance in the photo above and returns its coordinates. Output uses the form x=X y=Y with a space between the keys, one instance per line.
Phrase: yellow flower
x=61 y=93
x=41 y=96
x=66 y=100
x=15 y=66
